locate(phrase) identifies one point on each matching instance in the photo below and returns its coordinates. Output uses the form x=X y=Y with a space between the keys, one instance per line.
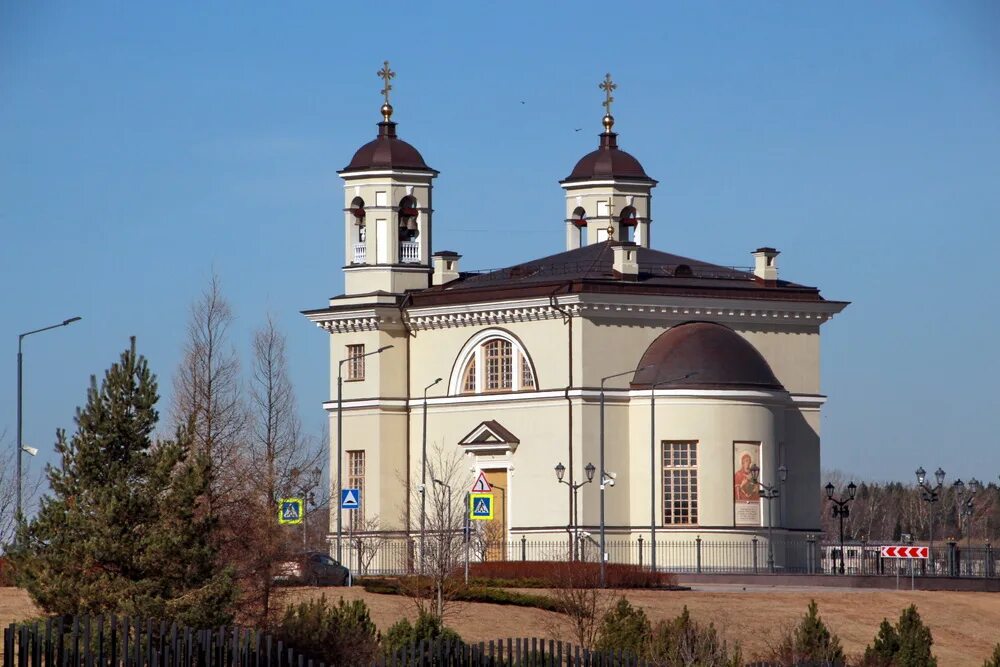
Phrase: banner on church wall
x=746 y=493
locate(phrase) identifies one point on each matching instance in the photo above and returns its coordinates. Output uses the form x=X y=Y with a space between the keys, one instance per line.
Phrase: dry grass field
x=965 y=625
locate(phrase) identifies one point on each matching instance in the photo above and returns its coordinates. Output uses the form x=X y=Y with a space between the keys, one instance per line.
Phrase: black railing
x=519 y=652
x=785 y=554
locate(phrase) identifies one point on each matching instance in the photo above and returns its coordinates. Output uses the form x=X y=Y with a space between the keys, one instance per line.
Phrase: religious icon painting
x=746 y=493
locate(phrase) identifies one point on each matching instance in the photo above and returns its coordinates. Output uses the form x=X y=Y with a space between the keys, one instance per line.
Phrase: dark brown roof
x=608 y=161
x=590 y=269
x=387 y=151
x=713 y=355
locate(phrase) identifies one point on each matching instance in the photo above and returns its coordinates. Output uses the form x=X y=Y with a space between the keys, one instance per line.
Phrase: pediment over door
x=490 y=437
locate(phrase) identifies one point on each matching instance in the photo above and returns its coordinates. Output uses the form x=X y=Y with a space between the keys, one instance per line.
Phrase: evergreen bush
x=341 y=634
x=907 y=644
x=683 y=642
x=994 y=659
x=624 y=628
x=404 y=634
x=123 y=530
x=810 y=642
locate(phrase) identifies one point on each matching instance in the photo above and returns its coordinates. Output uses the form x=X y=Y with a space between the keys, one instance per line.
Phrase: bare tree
x=207 y=393
x=278 y=461
x=367 y=540
x=30 y=484
x=439 y=561
x=582 y=603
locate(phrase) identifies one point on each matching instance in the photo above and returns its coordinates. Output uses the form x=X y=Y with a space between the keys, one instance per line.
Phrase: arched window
x=580 y=221
x=628 y=222
x=408 y=228
x=492 y=362
x=358 y=211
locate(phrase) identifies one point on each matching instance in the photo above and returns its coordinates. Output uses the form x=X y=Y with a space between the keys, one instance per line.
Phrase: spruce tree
x=123 y=530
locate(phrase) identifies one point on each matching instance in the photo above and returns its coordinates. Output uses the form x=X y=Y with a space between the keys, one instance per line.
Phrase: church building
x=688 y=391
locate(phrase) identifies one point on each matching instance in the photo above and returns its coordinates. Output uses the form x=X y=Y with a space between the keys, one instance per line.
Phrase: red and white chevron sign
x=904 y=552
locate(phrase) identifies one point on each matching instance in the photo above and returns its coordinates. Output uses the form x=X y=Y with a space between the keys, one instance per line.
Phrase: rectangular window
x=381 y=199
x=498 y=355
x=356 y=480
x=355 y=362
x=680 y=483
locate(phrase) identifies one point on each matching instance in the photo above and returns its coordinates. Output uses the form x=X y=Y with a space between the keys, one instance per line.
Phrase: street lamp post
x=423 y=477
x=607 y=480
x=20 y=445
x=930 y=494
x=652 y=464
x=841 y=511
x=340 y=439
x=966 y=504
x=770 y=493
x=560 y=473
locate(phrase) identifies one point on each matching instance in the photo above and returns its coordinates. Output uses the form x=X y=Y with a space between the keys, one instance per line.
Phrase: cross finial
x=386 y=75
x=608 y=87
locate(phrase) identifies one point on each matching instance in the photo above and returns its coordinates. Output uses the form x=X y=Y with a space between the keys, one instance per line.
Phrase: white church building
x=710 y=374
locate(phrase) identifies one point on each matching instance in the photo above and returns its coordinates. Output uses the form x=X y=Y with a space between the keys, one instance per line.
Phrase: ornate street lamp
x=560 y=473
x=770 y=493
x=966 y=504
x=841 y=511
x=930 y=494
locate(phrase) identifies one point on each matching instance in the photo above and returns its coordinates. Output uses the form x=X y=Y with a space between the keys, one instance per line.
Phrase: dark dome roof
x=387 y=151
x=719 y=357
x=608 y=161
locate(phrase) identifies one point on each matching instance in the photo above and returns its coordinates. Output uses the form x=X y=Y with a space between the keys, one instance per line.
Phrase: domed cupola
x=608 y=192
x=704 y=355
x=387 y=211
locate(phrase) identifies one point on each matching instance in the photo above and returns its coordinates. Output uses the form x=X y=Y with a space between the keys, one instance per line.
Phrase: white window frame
x=474 y=348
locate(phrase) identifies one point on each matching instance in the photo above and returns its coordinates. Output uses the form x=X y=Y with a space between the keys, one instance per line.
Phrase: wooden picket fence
x=85 y=641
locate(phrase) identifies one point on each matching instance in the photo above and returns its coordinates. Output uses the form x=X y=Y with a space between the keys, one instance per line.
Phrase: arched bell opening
x=628 y=222
x=409 y=230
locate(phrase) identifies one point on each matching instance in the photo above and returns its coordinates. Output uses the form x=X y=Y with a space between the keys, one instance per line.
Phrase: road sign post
x=350 y=499
x=481 y=506
x=291 y=511
x=905 y=552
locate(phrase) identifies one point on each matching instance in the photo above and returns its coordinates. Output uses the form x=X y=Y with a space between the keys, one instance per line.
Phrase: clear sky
x=144 y=145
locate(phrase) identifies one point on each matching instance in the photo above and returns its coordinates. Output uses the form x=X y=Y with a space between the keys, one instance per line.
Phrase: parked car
x=313 y=568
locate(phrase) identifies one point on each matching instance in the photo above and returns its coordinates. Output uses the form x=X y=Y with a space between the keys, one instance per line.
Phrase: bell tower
x=608 y=190
x=387 y=211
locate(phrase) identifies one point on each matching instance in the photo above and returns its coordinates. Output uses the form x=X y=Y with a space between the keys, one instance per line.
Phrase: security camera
x=421 y=488
x=31 y=451
x=611 y=481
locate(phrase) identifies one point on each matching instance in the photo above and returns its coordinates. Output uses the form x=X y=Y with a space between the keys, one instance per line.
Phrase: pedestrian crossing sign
x=290 y=510
x=481 y=506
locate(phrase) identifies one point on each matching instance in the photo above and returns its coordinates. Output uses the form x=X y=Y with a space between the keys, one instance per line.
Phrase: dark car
x=313 y=568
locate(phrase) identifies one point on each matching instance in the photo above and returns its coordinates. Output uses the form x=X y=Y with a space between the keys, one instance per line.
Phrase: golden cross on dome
x=608 y=86
x=385 y=74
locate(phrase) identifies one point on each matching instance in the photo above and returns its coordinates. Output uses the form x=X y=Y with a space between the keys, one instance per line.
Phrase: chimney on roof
x=626 y=261
x=445 y=267
x=765 y=265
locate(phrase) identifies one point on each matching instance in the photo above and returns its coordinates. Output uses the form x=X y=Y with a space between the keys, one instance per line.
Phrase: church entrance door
x=496 y=530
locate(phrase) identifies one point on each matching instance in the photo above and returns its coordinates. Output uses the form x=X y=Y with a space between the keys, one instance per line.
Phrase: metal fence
x=86 y=641
x=93 y=641
x=786 y=554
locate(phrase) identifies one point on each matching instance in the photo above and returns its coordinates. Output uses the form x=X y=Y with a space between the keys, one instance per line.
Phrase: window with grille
x=527 y=379
x=680 y=483
x=356 y=480
x=498 y=360
x=469 y=377
x=496 y=363
x=356 y=362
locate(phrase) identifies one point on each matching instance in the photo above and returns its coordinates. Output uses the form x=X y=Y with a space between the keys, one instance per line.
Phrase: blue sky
x=143 y=146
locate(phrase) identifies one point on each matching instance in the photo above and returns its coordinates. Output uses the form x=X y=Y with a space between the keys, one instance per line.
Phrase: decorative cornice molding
x=592 y=306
